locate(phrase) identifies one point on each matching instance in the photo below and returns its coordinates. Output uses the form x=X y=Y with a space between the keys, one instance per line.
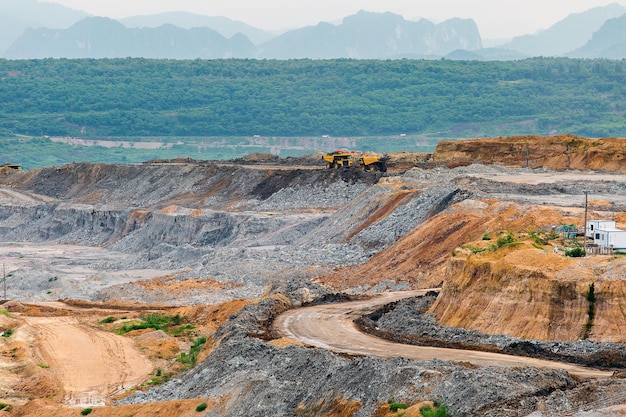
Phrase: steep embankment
x=532 y=294
x=420 y=256
x=556 y=152
x=497 y=292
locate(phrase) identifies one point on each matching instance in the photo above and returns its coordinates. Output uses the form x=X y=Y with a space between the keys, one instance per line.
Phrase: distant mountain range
x=597 y=33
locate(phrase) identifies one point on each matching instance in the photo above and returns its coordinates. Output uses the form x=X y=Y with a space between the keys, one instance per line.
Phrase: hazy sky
x=495 y=18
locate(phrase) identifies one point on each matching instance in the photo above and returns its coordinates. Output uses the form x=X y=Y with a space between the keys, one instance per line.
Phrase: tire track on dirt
x=90 y=364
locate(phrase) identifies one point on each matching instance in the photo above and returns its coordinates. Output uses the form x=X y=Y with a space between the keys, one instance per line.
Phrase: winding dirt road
x=331 y=326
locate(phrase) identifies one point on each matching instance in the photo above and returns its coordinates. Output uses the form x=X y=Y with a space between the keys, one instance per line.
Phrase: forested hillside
x=141 y=97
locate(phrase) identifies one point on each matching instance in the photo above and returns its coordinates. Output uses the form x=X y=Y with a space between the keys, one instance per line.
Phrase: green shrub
x=441 y=411
x=486 y=236
x=190 y=359
x=201 y=407
x=8 y=333
x=576 y=252
x=397 y=406
x=5 y=406
x=505 y=238
x=5 y=312
x=108 y=320
x=86 y=411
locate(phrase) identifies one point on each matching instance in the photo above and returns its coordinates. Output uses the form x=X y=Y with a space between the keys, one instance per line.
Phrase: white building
x=593 y=225
x=605 y=234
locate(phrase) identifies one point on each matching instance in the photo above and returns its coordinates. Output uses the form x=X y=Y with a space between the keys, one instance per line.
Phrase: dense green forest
x=228 y=99
x=141 y=97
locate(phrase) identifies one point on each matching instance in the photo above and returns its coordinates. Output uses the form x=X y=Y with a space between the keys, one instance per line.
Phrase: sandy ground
x=332 y=327
x=533 y=177
x=91 y=365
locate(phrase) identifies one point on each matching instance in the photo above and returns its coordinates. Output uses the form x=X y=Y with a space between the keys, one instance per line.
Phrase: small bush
x=397 y=406
x=5 y=406
x=86 y=411
x=8 y=333
x=43 y=365
x=486 y=236
x=576 y=252
x=108 y=320
x=5 y=312
x=201 y=407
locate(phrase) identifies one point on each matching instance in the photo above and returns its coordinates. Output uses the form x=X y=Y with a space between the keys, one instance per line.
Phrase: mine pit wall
x=128 y=230
x=500 y=298
x=547 y=152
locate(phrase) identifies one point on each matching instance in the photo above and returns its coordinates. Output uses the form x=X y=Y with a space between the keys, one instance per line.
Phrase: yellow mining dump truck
x=12 y=166
x=375 y=162
x=339 y=158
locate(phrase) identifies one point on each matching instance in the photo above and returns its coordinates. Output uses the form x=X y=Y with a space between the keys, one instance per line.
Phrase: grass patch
x=172 y=325
x=190 y=359
x=159 y=378
x=43 y=365
x=439 y=411
x=5 y=406
x=504 y=239
x=5 y=312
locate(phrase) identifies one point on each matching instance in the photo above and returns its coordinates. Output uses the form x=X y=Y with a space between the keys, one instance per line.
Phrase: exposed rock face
x=535 y=152
x=532 y=295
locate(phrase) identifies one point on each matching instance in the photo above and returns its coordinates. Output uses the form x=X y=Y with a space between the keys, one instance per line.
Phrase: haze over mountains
x=65 y=33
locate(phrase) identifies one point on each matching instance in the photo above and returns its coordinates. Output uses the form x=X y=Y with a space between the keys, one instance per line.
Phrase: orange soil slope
x=549 y=152
x=524 y=292
x=419 y=257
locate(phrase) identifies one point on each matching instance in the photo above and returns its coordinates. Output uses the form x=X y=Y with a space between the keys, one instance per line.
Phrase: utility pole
x=585 y=227
x=4 y=276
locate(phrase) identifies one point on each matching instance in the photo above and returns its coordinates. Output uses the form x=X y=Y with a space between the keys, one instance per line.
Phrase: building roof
x=609 y=229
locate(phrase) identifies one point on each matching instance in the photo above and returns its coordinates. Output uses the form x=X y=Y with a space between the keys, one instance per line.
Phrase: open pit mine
x=448 y=284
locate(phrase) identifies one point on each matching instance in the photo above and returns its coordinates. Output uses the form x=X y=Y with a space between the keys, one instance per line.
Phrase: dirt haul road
x=91 y=365
x=331 y=326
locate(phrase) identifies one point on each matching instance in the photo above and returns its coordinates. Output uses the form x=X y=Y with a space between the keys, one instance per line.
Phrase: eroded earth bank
x=171 y=275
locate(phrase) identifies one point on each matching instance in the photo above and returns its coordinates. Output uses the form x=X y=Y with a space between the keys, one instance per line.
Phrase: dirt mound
x=13 y=306
x=555 y=152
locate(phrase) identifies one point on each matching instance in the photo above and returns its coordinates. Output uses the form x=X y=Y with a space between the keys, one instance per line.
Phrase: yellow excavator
x=339 y=158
